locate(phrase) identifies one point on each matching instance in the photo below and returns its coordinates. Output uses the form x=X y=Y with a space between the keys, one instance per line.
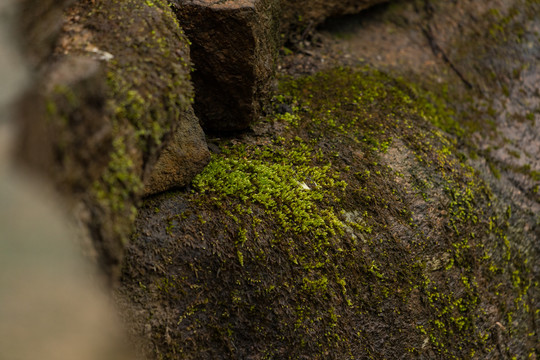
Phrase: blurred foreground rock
x=109 y=116
x=54 y=305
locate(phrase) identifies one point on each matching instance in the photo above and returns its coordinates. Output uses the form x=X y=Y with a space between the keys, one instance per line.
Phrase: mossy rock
x=347 y=228
x=117 y=91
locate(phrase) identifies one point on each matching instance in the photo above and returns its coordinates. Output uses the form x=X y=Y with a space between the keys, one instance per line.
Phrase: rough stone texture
x=309 y=13
x=182 y=159
x=233 y=48
x=110 y=98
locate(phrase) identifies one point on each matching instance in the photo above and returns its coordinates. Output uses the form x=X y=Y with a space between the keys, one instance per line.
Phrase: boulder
x=350 y=228
x=112 y=97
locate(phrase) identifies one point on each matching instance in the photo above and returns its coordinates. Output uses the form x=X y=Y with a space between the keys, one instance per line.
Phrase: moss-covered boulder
x=114 y=94
x=349 y=227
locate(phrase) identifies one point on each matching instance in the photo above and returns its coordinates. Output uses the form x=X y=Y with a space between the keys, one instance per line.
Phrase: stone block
x=234 y=50
x=234 y=47
x=184 y=157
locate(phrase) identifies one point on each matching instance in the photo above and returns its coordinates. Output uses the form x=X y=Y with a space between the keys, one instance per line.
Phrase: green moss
x=285 y=181
x=119 y=179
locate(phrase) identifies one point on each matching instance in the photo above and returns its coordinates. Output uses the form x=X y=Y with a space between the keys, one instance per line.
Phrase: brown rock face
x=233 y=48
x=183 y=158
x=313 y=12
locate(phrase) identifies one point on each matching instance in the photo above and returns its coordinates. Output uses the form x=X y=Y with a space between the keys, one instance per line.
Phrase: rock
x=310 y=13
x=233 y=48
x=402 y=244
x=39 y=24
x=112 y=96
x=54 y=305
x=49 y=299
x=184 y=157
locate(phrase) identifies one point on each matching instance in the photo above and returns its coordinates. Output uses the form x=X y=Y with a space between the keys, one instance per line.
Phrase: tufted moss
x=356 y=231
x=284 y=181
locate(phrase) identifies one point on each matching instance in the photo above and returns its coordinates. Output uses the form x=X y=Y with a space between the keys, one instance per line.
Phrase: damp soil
x=386 y=207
